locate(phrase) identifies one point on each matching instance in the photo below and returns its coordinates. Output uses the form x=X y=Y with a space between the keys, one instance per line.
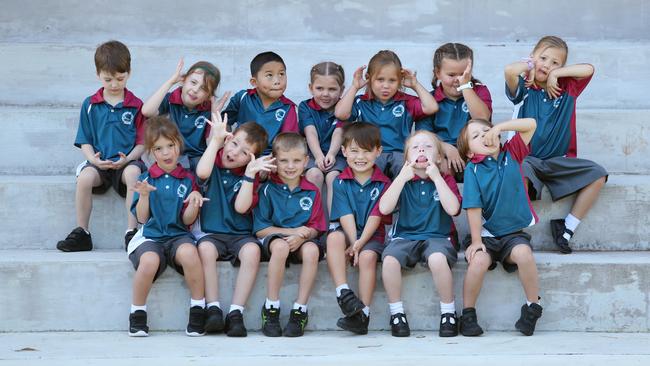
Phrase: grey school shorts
x=228 y=246
x=293 y=257
x=339 y=164
x=390 y=163
x=111 y=177
x=563 y=176
x=410 y=252
x=166 y=252
x=499 y=248
x=373 y=244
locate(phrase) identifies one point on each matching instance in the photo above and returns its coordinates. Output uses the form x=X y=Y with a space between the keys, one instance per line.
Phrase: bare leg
x=522 y=256
x=315 y=176
x=367 y=275
x=336 y=260
x=249 y=256
x=279 y=253
x=442 y=276
x=87 y=179
x=329 y=181
x=188 y=257
x=209 y=254
x=309 y=253
x=474 y=278
x=144 y=275
x=586 y=198
x=129 y=177
x=392 y=276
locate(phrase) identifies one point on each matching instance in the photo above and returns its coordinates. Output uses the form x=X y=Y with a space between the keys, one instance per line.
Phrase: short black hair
x=264 y=58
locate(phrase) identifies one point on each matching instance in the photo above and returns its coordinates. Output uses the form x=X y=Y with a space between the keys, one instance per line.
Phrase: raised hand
x=261 y=164
x=407 y=173
x=219 y=127
x=432 y=170
x=195 y=199
x=492 y=137
x=466 y=77
x=552 y=87
x=358 y=80
x=143 y=188
x=217 y=105
x=530 y=78
x=177 y=76
x=410 y=79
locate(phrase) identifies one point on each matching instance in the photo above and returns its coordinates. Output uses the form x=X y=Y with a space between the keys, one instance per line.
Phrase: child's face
x=475 y=134
x=271 y=80
x=291 y=164
x=113 y=84
x=359 y=159
x=547 y=60
x=194 y=90
x=326 y=91
x=385 y=82
x=165 y=151
x=448 y=74
x=236 y=151
x=422 y=151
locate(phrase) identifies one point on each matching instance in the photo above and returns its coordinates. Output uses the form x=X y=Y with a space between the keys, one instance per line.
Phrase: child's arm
x=512 y=73
x=150 y=107
x=578 y=71
x=429 y=104
x=475 y=224
x=453 y=157
x=477 y=108
x=335 y=146
x=219 y=134
x=244 y=199
x=525 y=126
x=194 y=202
x=448 y=198
x=388 y=201
x=343 y=108
x=314 y=146
x=143 y=189
x=368 y=231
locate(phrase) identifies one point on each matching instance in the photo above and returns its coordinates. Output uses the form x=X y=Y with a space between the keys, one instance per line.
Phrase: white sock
x=234 y=307
x=571 y=222
x=300 y=307
x=214 y=303
x=366 y=311
x=396 y=307
x=447 y=308
x=341 y=288
x=135 y=308
x=199 y=302
x=274 y=303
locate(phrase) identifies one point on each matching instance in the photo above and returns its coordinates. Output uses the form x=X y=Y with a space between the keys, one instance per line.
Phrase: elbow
x=429 y=110
x=240 y=209
x=591 y=69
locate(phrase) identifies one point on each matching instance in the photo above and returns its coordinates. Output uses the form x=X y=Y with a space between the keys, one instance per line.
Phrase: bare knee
x=279 y=248
x=437 y=261
x=522 y=255
x=336 y=241
x=250 y=253
x=207 y=252
x=130 y=175
x=309 y=252
x=368 y=259
x=391 y=264
x=481 y=262
x=187 y=256
x=87 y=179
x=149 y=263
x=315 y=176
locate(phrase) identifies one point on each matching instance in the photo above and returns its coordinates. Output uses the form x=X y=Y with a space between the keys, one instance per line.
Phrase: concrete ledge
x=53 y=291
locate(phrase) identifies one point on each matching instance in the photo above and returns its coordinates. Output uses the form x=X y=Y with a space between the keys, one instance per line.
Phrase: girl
x=421 y=234
x=166 y=200
x=318 y=124
x=189 y=106
x=384 y=105
x=549 y=90
x=460 y=97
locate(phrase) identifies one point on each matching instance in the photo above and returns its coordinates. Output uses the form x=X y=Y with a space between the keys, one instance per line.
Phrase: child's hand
x=177 y=76
x=410 y=79
x=261 y=164
x=433 y=171
x=472 y=249
x=143 y=188
x=492 y=137
x=219 y=127
x=407 y=173
x=217 y=105
x=358 y=81
x=329 y=161
x=530 y=78
x=552 y=87
x=303 y=232
x=121 y=162
x=294 y=241
x=454 y=161
x=353 y=251
x=466 y=77
x=195 y=199
x=101 y=164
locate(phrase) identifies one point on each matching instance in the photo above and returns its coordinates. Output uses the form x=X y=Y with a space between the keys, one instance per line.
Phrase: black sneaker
x=234 y=326
x=469 y=323
x=77 y=241
x=271 y=322
x=528 y=319
x=448 y=325
x=399 y=326
x=297 y=323
x=196 y=323
x=557 y=230
x=214 y=320
x=349 y=302
x=127 y=238
x=138 y=324
x=357 y=323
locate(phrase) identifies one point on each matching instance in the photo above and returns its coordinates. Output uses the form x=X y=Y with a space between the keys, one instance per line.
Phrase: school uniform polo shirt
x=281 y=207
x=421 y=215
x=110 y=129
x=497 y=187
x=361 y=200
x=280 y=116
x=191 y=123
x=166 y=202
x=311 y=114
x=556 y=118
x=452 y=115
x=395 y=118
x=219 y=215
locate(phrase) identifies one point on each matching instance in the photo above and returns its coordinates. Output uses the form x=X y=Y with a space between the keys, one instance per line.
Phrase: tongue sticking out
x=421 y=159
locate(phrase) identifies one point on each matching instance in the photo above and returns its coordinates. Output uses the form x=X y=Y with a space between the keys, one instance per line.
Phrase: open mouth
x=421 y=159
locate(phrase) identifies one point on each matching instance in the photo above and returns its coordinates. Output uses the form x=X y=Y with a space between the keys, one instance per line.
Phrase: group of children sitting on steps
x=241 y=182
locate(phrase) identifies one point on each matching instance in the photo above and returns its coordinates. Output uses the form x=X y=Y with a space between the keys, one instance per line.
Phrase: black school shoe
x=77 y=241
x=399 y=326
x=196 y=323
x=349 y=303
x=357 y=323
x=448 y=325
x=528 y=319
x=557 y=230
x=127 y=238
x=297 y=323
x=469 y=323
x=271 y=322
x=214 y=320
x=138 y=324
x=234 y=326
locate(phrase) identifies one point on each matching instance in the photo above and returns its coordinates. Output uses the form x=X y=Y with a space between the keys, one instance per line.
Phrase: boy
x=494 y=193
x=265 y=103
x=289 y=219
x=358 y=225
x=225 y=230
x=111 y=137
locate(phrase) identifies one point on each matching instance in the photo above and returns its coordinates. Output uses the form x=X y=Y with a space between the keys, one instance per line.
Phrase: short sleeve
x=385 y=219
x=139 y=127
x=519 y=93
x=471 y=189
x=263 y=211
x=414 y=107
x=484 y=94
x=163 y=108
x=305 y=117
x=574 y=86
x=84 y=131
x=355 y=113
x=232 y=110
x=451 y=183
x=317 y=217
x=290 y=123
x=340 y=203
x=517 y=148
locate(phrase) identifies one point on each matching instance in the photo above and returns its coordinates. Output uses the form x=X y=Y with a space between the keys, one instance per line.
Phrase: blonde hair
x=552 y=42
x=378 y=61
x=436 y=142
x=463 y=140
x=287 y=141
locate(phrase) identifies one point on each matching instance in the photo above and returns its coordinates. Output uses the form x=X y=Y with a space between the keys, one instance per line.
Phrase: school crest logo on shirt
x=182 y=189
x=398 y=111
x=556 y=102
x=464 y=107
x=127 y=118
x=199 y=122
x=436 y=196
x=279 y=114
x=306 y=203
x=236 y=187
x=374 y=193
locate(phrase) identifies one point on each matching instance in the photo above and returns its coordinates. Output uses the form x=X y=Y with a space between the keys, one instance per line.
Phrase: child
x=460 y=97
x=320 y=127
x=189 y=106
x=497 y=210
x=422 y=232
x=110 y=135
x=289 y=219
x=385 y=106
x=166 y=201
x=549 y=95
x=265 y=103
x=225 y=230
x=360 y=225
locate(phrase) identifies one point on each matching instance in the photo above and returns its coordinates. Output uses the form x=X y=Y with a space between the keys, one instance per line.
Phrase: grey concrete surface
x=53 y=291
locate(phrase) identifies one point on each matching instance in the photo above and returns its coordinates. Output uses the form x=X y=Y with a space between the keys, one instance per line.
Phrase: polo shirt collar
x=399 y=96
x=303 y=184
x=284 y=100
x=377 y=175
x=313 y=105
x=219 y=163
x=175 y=98
x=155 y=171
x=439 y=94
x=130 y=100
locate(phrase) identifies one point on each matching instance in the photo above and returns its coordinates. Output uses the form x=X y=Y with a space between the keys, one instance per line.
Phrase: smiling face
x=422 y=150
x=448 y=74
x=326 y=91
x=113 y=84
x=194 y=90
x=166 y=152
x=547 y=60
x=385 y=83
x=291 y=164
x=360 y=160
x=270 y=81
x=475 y=141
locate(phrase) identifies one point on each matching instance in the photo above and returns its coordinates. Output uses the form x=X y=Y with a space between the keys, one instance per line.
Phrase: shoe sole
x=360 y=331
x=68 y=250
x=563 y=250
x=236 y=334
x=194 y=334
x=352 y=313
x=275 y=335
x=405 y=334
x=447 y=334
x=474 y=334
x=140 y=333
x=524 y=332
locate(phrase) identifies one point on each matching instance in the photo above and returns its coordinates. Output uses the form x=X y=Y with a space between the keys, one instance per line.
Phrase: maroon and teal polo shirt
x=191 y=123
x=311 y=114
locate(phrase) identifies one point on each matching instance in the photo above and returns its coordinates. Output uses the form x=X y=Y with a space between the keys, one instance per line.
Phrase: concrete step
x=54 y=291
x=618 y=220
x=69 y=75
